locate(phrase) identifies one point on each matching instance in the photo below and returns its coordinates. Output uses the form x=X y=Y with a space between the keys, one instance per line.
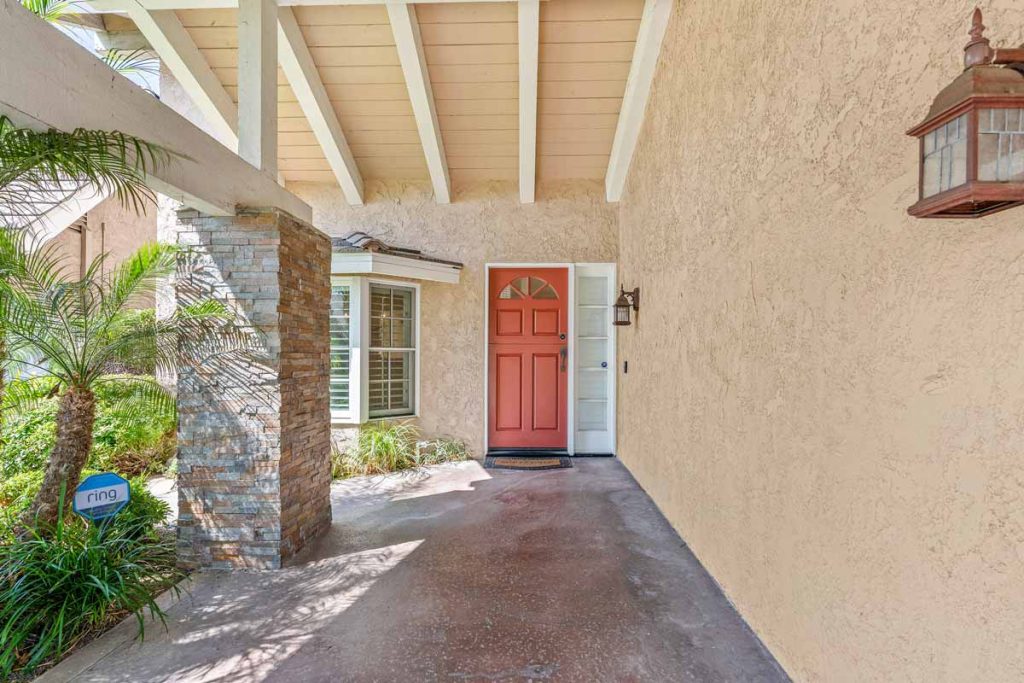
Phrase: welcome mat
x=511 y=462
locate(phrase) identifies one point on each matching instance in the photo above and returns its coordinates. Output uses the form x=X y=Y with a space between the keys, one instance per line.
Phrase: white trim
x=570 y=337
x=638 y=87
x=176 y=49
x=301 y=72
x=607 y=443
x=418 y=347
x=359 y=348
x=257 y=84
x=117 y=5
x=529 y=44
x=349 y=416
x=417 y=79
x=368 y=262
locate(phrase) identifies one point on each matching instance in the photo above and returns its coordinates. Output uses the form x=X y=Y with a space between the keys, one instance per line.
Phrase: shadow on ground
x=465 y=574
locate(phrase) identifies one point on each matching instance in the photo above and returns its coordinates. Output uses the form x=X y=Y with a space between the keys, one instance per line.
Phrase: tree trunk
x=75 y=417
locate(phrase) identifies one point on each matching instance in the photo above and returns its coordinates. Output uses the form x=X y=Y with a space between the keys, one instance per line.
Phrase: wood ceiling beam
x=529 y=46
x=257 y=84
x=119 y=5
x=301 y=72
x=638 y=87
x=417 y=79
x=176 y=49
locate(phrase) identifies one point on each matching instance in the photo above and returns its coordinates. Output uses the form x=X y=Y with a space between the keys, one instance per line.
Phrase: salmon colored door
x=528 y=360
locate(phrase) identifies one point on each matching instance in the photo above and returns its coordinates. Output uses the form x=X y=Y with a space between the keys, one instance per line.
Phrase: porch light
x=626 y=301
x=972 y=141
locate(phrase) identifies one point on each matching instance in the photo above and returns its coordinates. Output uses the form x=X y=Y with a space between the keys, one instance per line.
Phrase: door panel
x=546 y=401
x=527 y=386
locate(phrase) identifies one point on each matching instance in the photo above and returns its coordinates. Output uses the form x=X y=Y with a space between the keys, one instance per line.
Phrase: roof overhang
x=371 y=263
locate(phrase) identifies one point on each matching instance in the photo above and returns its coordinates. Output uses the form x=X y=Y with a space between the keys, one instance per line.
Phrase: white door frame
x=570 y=337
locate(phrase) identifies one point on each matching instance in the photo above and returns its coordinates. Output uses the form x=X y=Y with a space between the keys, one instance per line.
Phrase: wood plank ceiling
x=471 y=50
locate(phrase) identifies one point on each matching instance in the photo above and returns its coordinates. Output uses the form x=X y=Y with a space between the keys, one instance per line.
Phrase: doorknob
x=564 y=353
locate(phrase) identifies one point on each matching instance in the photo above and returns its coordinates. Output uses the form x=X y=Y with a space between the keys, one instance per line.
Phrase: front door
x=528 y=358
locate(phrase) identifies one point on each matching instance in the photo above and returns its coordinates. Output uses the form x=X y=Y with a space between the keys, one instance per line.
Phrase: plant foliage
x=59 y=588
x=51 y=165
x=382 y=447
x=132 y=435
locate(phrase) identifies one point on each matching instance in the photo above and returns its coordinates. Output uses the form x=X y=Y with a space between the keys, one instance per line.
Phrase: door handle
x=564 y=353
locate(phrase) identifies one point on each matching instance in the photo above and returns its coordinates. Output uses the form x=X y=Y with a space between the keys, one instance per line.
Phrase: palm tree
x=71 y=330
x=49 y=166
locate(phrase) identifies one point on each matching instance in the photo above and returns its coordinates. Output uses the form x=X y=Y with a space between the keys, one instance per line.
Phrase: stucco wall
x=485 y=223
x=825 y=397
x=111 y=229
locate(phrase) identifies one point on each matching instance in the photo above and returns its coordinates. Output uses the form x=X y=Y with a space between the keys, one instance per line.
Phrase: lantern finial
x=977 y=51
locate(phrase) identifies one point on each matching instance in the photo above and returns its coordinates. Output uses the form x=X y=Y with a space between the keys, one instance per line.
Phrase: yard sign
x=101 y=496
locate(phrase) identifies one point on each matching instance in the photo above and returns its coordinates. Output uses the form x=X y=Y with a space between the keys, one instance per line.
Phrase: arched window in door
x=528 y=287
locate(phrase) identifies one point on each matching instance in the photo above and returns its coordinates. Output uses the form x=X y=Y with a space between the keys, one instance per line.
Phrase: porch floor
x=460 y=574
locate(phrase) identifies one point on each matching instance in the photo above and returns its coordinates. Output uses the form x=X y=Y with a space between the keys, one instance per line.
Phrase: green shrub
x=56 y=591
x=383 y=447
x=129 y=442
x=142 y=514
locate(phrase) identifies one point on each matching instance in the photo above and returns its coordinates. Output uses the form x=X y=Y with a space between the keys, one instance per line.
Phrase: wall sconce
x=972 y=141
x=627 y=300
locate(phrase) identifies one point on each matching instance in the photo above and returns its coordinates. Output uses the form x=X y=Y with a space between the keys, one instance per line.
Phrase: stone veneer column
x=254 y=429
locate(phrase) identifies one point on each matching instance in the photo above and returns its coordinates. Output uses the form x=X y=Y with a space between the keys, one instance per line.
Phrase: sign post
x=101 y=496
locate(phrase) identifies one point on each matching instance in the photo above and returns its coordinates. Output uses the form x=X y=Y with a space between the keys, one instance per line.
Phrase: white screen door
x=595 y=359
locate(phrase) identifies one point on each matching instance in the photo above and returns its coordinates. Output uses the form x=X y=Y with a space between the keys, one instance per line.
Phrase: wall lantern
x=972 y=141
x=627 y=300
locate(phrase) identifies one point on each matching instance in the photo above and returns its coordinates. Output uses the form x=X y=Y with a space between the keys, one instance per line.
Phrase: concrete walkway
x=459 y=574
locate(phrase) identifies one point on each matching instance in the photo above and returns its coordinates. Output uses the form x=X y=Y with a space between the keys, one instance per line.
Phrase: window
x=374 y=349
x=392 y=350
x=341 y=348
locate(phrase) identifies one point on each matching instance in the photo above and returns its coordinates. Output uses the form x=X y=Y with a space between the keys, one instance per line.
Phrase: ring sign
x=101 y=496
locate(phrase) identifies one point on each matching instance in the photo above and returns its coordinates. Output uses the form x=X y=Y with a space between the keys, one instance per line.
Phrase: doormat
x=505 y=462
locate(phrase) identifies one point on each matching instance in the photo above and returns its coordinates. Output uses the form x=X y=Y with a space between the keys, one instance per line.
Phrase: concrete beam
x=48 y=80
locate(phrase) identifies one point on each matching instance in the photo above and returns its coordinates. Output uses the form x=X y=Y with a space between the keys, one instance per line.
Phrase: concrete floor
x=460 y=574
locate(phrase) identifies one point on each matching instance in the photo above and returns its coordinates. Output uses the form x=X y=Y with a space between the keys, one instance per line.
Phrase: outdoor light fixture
x=627 y=300
x=972 y=141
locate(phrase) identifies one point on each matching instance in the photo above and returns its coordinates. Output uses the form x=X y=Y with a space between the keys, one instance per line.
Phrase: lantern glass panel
x=945 y=157
x=1001 y=145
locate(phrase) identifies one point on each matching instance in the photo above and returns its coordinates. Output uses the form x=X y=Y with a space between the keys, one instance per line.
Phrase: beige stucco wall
x=485 y=223
x=111 y=229
x=825 y=397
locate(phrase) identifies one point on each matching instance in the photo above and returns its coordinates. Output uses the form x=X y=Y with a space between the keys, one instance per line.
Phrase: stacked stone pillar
x=254 y=425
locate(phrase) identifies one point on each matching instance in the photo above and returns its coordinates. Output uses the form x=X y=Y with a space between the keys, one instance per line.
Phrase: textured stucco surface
x=485 y=223
x=825 y=397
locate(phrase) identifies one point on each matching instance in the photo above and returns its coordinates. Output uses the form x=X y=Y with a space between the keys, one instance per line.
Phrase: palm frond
x=145 y=398
x=48 y=10
x=126 y=62
x=37 y=163
x=22 y=397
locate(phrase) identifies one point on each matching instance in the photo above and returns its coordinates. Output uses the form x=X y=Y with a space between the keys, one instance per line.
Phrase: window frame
x=359 y=348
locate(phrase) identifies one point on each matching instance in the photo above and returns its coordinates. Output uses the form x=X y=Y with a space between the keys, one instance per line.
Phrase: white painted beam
x=529 y=44
x=257 y=84
x=300 y=70
x=638 y=87
x=417 y=80
x=118 y=5
x=179 y=53
x=49 y=81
